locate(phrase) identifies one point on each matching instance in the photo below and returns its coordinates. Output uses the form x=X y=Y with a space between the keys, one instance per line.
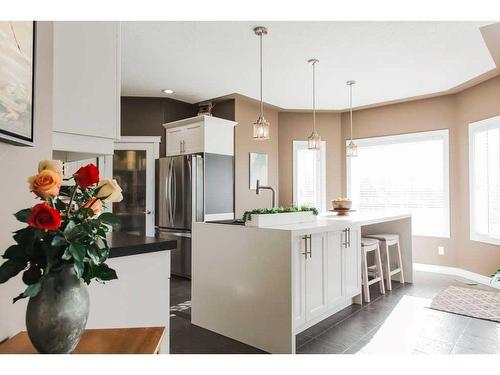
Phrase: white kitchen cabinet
x=327 y=273
x=335 y=285
x=352 y=261
x=316 y=275
x=86 y=88
x=200 y=134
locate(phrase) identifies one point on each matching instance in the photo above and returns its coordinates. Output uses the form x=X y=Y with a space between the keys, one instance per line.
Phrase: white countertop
x=330 y=221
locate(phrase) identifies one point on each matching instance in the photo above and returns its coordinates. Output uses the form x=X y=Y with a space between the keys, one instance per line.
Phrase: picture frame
x=259 y=169
x=17 y=82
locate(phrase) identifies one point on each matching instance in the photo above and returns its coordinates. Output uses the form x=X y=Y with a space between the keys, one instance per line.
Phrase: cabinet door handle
x=310 y=246
x=344 y=239
x=305 y=242
x=349 y=237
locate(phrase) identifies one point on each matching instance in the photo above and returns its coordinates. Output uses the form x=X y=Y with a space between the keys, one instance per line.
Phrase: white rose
x=109 y=191
x=51 y=165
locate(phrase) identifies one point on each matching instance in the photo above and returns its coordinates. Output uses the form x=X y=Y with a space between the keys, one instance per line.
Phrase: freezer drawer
x=180 y=257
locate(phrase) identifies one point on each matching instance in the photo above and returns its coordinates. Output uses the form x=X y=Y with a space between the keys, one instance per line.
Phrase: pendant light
x=351 y=148
x=314 y=140
x=261 y=126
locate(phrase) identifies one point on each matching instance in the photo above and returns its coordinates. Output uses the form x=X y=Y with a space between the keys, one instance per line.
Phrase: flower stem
x=71 y=200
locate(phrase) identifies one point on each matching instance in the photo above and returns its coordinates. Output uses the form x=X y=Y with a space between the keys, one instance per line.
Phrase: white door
x=134 y=170
x=335 y=287
x=299 y=301
x=316 y=275
x=174 y=140
x=352 y=263
x=193 y=138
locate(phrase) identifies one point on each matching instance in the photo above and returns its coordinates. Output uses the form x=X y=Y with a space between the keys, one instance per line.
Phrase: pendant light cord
x=314 y=96
x=261 y=102
x=350 y=105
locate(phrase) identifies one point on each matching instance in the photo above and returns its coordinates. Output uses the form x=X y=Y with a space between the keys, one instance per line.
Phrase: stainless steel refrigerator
x=179 y=203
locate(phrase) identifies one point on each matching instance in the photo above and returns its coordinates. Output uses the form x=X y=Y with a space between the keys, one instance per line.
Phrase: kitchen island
x=140 y=297
x=264 y=285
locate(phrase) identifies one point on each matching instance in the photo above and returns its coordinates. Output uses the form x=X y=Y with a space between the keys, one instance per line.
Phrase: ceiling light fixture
x=351 y=149
x=314 y=140
x=261 y=126
x=167 y=91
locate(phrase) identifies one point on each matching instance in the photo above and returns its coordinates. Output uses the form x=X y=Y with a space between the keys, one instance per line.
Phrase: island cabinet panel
x=352 y=262
x=335 y=284
x=316 y=275
x=299 y=302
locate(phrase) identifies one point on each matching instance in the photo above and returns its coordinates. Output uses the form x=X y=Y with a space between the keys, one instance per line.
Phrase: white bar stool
x=386 y=241
x=375 y=271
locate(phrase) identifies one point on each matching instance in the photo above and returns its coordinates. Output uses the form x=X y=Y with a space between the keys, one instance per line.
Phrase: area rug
x=476 y=303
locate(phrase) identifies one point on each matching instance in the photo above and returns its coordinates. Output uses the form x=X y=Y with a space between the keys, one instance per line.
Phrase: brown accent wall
x=296 y=126
x=142 y=116
x=453 y=112
x=246 y=112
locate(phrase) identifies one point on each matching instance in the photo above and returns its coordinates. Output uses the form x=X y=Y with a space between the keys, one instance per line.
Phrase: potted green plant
x=264 y=217
x=62 y=247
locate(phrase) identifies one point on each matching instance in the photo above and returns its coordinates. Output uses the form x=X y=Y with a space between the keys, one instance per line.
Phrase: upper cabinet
x=86 y=110
x=200 y=134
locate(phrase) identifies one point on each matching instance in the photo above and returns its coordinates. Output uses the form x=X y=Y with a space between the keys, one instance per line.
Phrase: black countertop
x=124 y=244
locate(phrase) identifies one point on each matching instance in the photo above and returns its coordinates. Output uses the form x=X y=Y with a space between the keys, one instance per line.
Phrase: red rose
x=87 y=176
x=44 y=217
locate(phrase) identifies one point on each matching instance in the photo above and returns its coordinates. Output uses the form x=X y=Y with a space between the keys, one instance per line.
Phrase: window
x=404 y=172
x=309 y=186
x=484 y=180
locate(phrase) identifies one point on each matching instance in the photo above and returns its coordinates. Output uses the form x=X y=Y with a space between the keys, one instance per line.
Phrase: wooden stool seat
x=375 y=271
x=387 y=240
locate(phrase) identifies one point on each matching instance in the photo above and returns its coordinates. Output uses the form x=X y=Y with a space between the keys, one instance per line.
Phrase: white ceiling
x=389 y=60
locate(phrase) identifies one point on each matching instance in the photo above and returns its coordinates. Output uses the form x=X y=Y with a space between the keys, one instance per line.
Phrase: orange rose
x=94 y=204
x=45 y=184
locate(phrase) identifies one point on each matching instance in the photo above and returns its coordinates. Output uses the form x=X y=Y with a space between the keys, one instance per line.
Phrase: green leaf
x=79 y=267
x=23 y=215
x=104 y=273
x=69 y=227
x=11 y=268
x=14 y=252
x=93 y=253
x=58 y=241
x=32 y=275
x=109 y=218
x=66 y=255
x=77 y=250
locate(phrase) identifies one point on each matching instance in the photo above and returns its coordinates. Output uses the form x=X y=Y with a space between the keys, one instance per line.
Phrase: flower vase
x=56 y=317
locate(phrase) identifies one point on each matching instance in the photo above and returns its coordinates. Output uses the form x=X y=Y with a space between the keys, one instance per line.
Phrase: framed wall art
x=17 y=52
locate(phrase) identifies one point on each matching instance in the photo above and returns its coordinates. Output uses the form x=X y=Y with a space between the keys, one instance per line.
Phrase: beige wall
x=21 y=162
x=453 y=112
x=246 y=112
x=296 y=126
x=474 y=104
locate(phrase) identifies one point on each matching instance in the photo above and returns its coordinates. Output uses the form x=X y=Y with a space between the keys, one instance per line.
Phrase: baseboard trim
x=445 y=270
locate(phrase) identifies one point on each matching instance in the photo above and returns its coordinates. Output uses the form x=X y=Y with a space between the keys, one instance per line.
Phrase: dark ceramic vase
x=56 y=317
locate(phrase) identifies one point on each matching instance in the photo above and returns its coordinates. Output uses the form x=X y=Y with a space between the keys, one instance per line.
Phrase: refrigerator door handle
x=169 y=192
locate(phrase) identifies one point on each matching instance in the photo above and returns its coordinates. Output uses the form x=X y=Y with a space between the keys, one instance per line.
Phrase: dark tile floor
x=398 y=322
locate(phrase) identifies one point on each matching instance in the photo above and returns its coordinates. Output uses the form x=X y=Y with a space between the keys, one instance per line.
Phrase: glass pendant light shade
x=261 y=126
x=314 y=141
x=351 y=150
x=261 y=129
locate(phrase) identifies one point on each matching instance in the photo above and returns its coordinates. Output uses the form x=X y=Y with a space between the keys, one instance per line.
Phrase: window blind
x=405 y=172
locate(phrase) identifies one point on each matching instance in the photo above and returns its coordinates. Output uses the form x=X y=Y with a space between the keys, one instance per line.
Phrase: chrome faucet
x=259 y=187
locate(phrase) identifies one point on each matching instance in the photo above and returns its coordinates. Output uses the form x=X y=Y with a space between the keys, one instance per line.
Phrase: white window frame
x=433 y=134
x=474 y=128
x=322 y=150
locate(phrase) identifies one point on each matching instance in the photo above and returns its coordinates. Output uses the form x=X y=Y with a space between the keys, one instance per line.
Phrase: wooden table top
x=99 y=341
